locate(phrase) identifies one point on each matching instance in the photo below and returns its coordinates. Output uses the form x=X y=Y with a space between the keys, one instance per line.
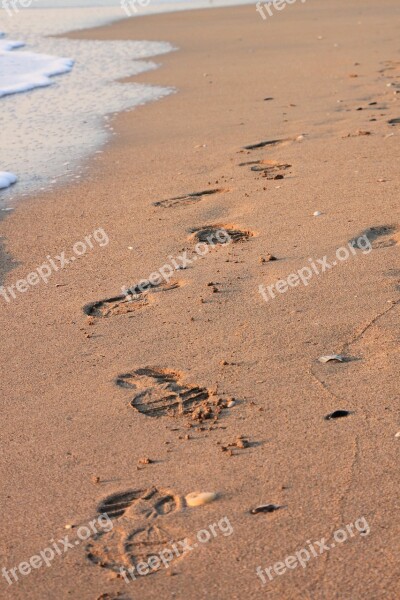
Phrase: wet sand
x=89 y=396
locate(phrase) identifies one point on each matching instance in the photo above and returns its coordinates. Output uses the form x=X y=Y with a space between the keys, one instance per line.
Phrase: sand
x=77 y=390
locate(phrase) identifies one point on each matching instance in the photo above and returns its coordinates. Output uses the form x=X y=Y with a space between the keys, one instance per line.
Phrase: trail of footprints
x=137 y=298
x=147 y=521
x=141 y=296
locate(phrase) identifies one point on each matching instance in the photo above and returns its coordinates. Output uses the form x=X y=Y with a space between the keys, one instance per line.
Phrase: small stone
x=265 y=508
x=242 y=443
x=267 y=258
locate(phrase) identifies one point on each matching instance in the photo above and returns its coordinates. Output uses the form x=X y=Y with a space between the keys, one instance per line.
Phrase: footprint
x=150 y=503
x=382 y=236
x=188 y=199
x=135 y=535
x=127 y=545
x=219 y=234
x=271 y=169
x=129 y=302
x=161 y=393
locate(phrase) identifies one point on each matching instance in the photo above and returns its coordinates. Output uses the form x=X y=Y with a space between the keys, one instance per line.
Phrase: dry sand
x=70 y=435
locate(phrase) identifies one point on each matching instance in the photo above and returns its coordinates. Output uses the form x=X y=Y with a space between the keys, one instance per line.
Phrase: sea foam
x=6 y=179
x=24 y=71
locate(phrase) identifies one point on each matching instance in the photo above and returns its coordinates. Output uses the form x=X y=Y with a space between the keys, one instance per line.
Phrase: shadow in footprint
x=265 y=143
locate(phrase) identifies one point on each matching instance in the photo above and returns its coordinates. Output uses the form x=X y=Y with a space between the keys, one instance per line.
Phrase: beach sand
x=70 y=433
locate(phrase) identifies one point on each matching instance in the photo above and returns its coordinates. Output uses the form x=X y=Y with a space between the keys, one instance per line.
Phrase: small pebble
x=265 y=508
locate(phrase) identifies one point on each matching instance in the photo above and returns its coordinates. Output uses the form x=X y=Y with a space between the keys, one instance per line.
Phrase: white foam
x=6 y=45
x=24 y=71
x=6 y=179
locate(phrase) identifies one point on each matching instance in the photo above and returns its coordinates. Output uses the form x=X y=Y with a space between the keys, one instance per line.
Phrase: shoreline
x=80 y=434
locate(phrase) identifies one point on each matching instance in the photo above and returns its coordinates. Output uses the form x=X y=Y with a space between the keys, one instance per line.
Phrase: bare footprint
x=161 y=393
x=136 y=534
x=191 y=198
x=130 y=302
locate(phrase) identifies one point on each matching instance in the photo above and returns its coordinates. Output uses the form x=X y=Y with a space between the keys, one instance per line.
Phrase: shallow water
x=48 y=132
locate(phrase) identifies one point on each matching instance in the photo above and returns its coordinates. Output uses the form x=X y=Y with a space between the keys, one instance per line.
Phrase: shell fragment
x=200 y=498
